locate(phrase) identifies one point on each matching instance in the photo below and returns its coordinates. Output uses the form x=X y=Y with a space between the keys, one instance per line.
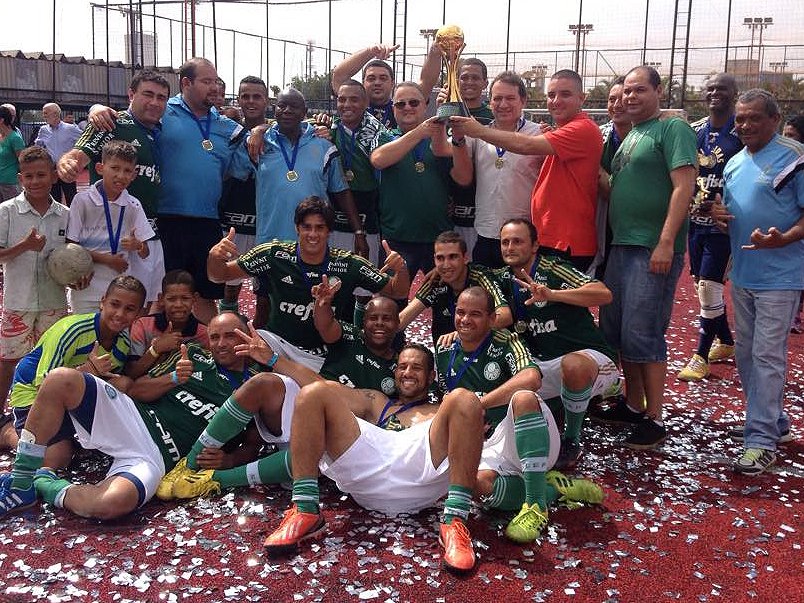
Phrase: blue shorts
x=709 y=253
x=66 y=430
x=638 y=316
x=186 y=242
x=418 y=256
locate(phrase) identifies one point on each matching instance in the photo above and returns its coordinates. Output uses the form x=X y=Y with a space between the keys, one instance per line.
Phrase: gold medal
x=419 y=167
x=206 y=144
x=498 y=163
x=292 y=175
x=706 y=161
x=349 y=175
x=521 y=326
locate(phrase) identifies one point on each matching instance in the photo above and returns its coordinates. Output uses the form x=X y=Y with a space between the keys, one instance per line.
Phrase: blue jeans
x=762 y=327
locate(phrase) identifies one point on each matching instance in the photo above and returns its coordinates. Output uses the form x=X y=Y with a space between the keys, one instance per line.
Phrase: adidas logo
x=136 y=143
x=198 y=375
x=288 y=280
x=359 y=358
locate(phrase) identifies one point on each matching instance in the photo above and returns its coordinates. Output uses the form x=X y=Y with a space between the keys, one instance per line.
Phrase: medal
x=521 y=326
x=348 y=152
x=206 y=144
x=349 y=175
x=418 y=155
x=419 y=167
x=292 y=175
x=499 y=162
x=706 y=161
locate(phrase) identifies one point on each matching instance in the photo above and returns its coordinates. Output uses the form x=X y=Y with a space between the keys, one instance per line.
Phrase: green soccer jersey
x=67 y=343
x=287 y=282
x=551 y=329
x=497 y=359
x=178 y=417
x=441 y=297
x=146 y=182
x=350 y=362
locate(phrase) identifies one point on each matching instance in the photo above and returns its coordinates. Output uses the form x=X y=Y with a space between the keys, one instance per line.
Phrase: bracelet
x=272 y=361
x=152 y=351
x=360 y=233
x=174 y=377
x=458 y=142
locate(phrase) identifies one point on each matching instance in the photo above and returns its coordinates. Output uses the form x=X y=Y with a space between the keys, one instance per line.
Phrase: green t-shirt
x=553 y=329
x=350 y=362
x=498 y=359
x=441 y=297
x=9 y=166
x=414 y=204
x=147 y=181
x=640 y=181
x=288 y=285
x=178 y=417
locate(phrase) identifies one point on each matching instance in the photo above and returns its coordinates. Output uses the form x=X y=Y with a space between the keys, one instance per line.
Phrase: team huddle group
x=510 y=221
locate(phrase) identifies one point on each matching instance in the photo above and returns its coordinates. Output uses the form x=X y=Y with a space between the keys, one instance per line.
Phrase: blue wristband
x=174 y=377
x=272 y=361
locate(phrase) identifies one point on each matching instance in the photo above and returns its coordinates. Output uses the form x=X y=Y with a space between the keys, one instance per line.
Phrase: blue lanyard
x=304 y=267
x=519 y=304
x=453 y=380
x=707 y=134
x=206 y=127
x=350 y=147
x=383 y=420
x=520 y=124
x=289 y=162
x=152 y=136
x=418 y=150
x=616 y=141
x=114 y=238
x=231 y=378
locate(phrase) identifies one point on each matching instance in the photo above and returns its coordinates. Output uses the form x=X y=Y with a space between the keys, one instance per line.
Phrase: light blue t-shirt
x=319 y=171
x=766 y=189
x=192 y=177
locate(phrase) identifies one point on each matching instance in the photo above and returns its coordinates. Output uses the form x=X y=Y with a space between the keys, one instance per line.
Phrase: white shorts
x=346 y=240
x=390 y=471
x=607 y=374
x=287 y=350
x=499 y=451
x=288 y=404
x=244 y=242
x=107 y=420
x=149 y=271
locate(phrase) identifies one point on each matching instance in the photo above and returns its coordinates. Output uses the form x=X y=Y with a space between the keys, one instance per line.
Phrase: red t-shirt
x=564 y=197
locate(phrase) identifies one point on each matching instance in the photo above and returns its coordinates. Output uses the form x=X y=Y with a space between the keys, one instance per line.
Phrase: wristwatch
x=458 y=142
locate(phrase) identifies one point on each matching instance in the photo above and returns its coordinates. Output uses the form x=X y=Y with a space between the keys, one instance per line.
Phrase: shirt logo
x=287 y=280
x=492 y=371
x=387 y=386
x=110 y=391
x=135 y=143
x=359 y=358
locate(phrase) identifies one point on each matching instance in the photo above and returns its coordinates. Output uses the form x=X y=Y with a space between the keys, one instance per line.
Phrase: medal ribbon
x=519 y=125
x=289 y=162
x=206 y=127
x=231 y=378
x=114 y=238
x=305 y=267
x=418 y=150
x=453 y=380
x=383 y=420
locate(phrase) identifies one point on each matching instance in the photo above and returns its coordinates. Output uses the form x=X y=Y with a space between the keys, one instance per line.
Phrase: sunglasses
x=414 y=102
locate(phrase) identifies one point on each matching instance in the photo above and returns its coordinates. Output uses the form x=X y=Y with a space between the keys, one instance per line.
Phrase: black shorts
x=186 y=242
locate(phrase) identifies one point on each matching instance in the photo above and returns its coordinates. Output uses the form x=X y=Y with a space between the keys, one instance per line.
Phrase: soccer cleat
x=646 y=435
x=720 y=352
x=196 y=484
x=696 y=370
x=574 y=490
x=459 y=555
x=569 y=455
x=165 y=489
x=295 y=528
x=14 y=499
x=738 y=435
x=617 y=414
x=527 y=526
x=754 y=461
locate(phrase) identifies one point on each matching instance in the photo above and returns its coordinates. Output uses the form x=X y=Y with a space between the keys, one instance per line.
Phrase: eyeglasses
x=414 y=102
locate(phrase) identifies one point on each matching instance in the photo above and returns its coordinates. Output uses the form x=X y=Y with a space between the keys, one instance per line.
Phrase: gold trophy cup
x=449 y=40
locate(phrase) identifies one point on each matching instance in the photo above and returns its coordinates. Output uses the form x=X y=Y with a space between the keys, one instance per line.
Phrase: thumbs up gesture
x=131 y=242
x=225 y=250
x=393 y=260
x=34 y=241
x=184 y=366
x=101 y=364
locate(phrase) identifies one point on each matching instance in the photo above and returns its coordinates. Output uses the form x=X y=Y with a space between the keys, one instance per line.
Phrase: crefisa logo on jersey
x=491 y=371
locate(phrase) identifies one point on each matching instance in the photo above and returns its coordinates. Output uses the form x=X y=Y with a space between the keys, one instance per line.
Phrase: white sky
x=535 y=26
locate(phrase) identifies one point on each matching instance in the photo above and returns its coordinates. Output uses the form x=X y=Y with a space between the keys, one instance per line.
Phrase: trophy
x=449 y=40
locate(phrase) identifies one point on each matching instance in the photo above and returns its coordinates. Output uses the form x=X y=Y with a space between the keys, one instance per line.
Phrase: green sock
x=533 y=445
x=228 y=306
x=509 y=493
x=575 y=405
x=305 y=494
x=272 y=469
x=30 y=457
x=458 y=503
x=229 y=421
x=50 y=488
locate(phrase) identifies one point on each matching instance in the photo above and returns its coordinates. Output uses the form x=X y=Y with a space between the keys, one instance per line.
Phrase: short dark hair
x=6 y=116
x=32 y=154
x=451 y=236
x=119 y=149
x=511 y=78
x=314 y=206
x=409 y=84
x=477 y=63
x=127 y=283
x=476 y=291
x=654 y=78
x=149 y=75
x=797 y=123
x=534 y=235
x=769 y=103
x=353 y=83
x=568 y=74
x=428 y=355
x=178 y=277
x=253 y=79
x=190 y=67
x=378 y=63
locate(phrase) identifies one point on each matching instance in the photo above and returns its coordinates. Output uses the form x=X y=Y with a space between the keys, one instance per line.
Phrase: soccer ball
x=68 y=263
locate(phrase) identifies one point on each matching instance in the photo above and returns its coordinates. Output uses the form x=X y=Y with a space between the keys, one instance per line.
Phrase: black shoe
x=738 y=435
x=617 y=414
x=646 y=435
x=568 y=456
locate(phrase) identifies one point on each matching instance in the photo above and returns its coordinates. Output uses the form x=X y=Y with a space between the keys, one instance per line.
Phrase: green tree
x=315 y=88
